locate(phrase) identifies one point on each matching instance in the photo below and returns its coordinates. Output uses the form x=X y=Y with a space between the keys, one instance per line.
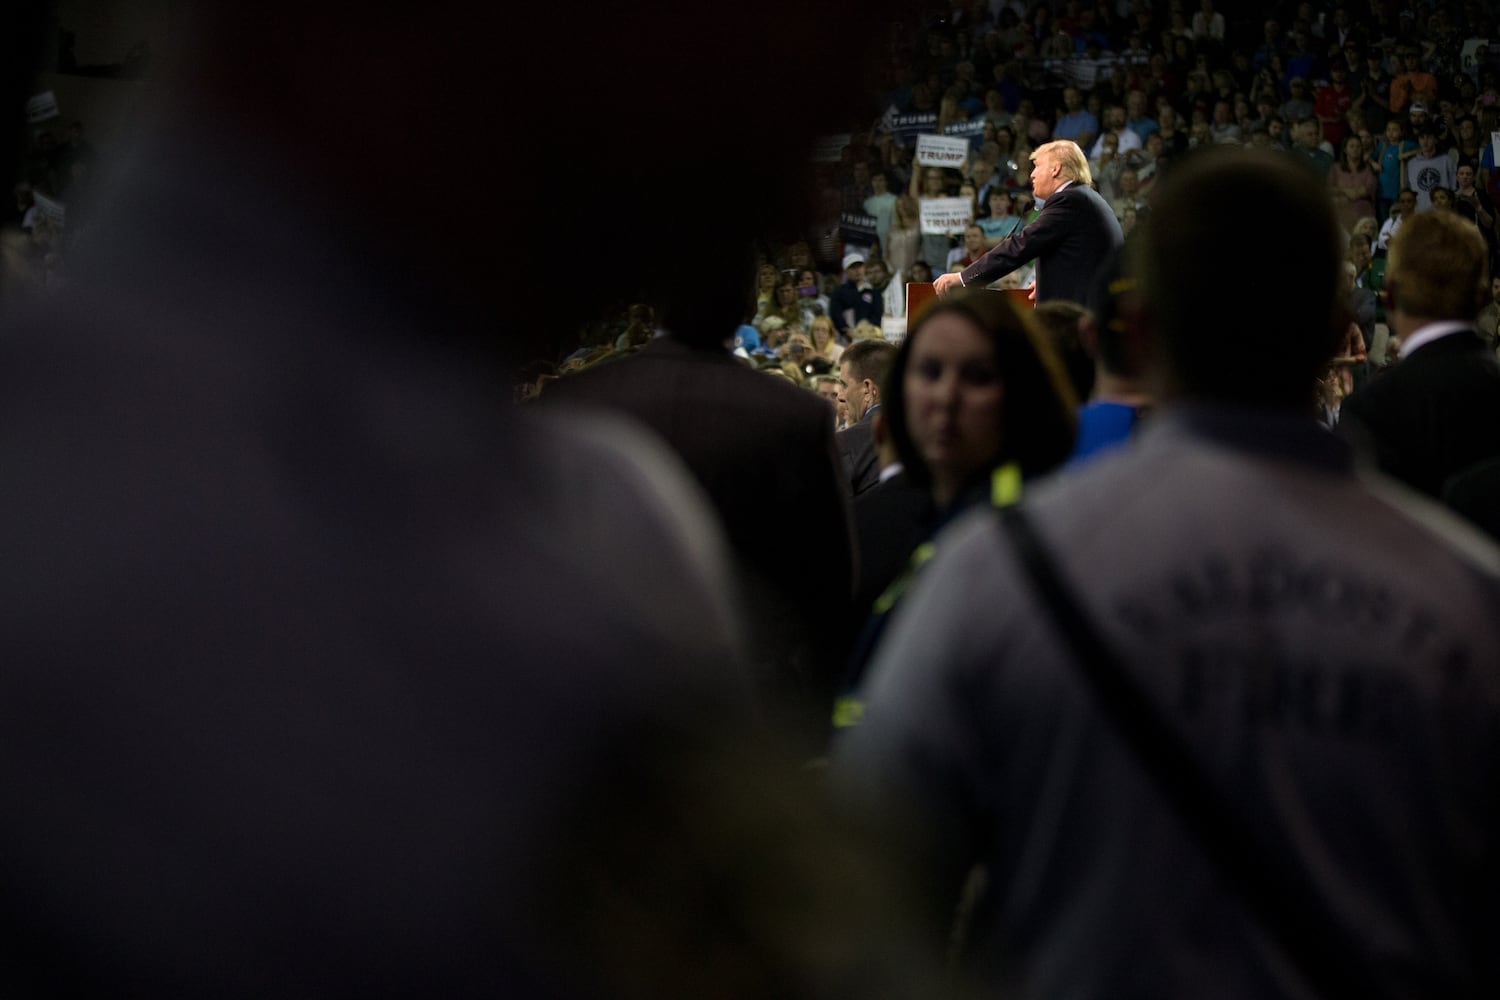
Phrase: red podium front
x=920 y=295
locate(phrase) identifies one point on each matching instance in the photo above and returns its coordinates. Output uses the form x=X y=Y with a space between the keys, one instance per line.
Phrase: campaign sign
x=942 y=151
x=54 y=211
x=946 y=216
x=968 y=129
x=858 y=228
x=41 y=108
x=830 y=148
x=1468 y=57
x=909 y=125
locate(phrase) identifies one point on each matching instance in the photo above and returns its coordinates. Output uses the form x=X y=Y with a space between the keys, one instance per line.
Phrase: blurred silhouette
x=311 y=644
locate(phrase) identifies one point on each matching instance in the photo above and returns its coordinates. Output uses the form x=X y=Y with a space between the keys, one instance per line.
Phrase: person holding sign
x=1070 y=238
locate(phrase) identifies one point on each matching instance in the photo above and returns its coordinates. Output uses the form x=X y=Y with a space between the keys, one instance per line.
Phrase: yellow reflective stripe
x=1005 y=485
x=848 y=712
x=893 y=593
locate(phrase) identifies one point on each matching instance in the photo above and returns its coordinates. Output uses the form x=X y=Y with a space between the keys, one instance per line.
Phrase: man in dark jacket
x=1069 y=240
x=856 y=300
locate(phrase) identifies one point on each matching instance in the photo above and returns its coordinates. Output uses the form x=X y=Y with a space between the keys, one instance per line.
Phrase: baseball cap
x=1418 y=106
x=851 y=259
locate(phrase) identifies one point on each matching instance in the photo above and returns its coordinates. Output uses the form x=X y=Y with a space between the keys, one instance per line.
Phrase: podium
x=920 y=295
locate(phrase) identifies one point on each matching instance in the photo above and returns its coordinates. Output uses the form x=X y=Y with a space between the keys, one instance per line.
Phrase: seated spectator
x=1114 y=124
x=1298 y=106
x=786 y=304
x=824 y=339
x=773 y=332
x=1222 y=127
x=1127 y=193
x=1404 y=208
x=854 y=300
x=766 y=278
x=810 y=290
x=1106 y=167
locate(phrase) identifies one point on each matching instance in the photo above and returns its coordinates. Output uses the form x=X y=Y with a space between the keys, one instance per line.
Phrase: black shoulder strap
x=1298 y=919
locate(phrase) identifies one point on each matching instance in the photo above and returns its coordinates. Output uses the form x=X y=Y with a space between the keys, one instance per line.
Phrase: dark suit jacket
x=1432 y=415
x=763 y=451
x=890 y=521
x=1069 y=240
x=856 y=448
x=1474 y=493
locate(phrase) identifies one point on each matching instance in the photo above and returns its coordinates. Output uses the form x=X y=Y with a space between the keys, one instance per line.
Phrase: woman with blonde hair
x=825 y=339
x=904 y=238
x=765 y=286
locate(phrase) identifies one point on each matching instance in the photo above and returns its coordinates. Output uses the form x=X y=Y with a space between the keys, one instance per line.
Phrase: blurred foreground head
x=538 y=164
x=1239 y=267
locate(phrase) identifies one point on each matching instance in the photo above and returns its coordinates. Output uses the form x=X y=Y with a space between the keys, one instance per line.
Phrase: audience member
x=974 y=248
x=1112 y=334
x=1074 y=121
x=854 y=301
x=1352 y=184
x=979 y=404
x=1307 y=143
x=1404 y=208
x=1435 y=413
x=1489 y=316
x=862 y=370
x=1430 y=168
x=1062 y=322
x=1389 y=159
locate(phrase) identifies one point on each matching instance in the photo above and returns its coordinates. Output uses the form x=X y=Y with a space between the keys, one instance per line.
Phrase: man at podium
x=1069 y=240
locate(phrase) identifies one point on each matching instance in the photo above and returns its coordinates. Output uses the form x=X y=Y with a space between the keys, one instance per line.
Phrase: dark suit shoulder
x=680 y=377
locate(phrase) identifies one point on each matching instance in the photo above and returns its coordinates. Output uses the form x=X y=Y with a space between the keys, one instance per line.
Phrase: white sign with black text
x=942 y=151
x=946 y=216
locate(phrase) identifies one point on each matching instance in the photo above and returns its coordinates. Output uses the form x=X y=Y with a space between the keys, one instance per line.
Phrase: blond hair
x=1438 y=267
x=1075 y=166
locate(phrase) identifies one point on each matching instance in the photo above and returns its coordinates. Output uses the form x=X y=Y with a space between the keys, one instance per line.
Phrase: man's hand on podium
x=945 y=283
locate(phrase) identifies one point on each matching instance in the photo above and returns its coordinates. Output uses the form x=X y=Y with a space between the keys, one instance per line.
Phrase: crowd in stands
x=34 y=231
